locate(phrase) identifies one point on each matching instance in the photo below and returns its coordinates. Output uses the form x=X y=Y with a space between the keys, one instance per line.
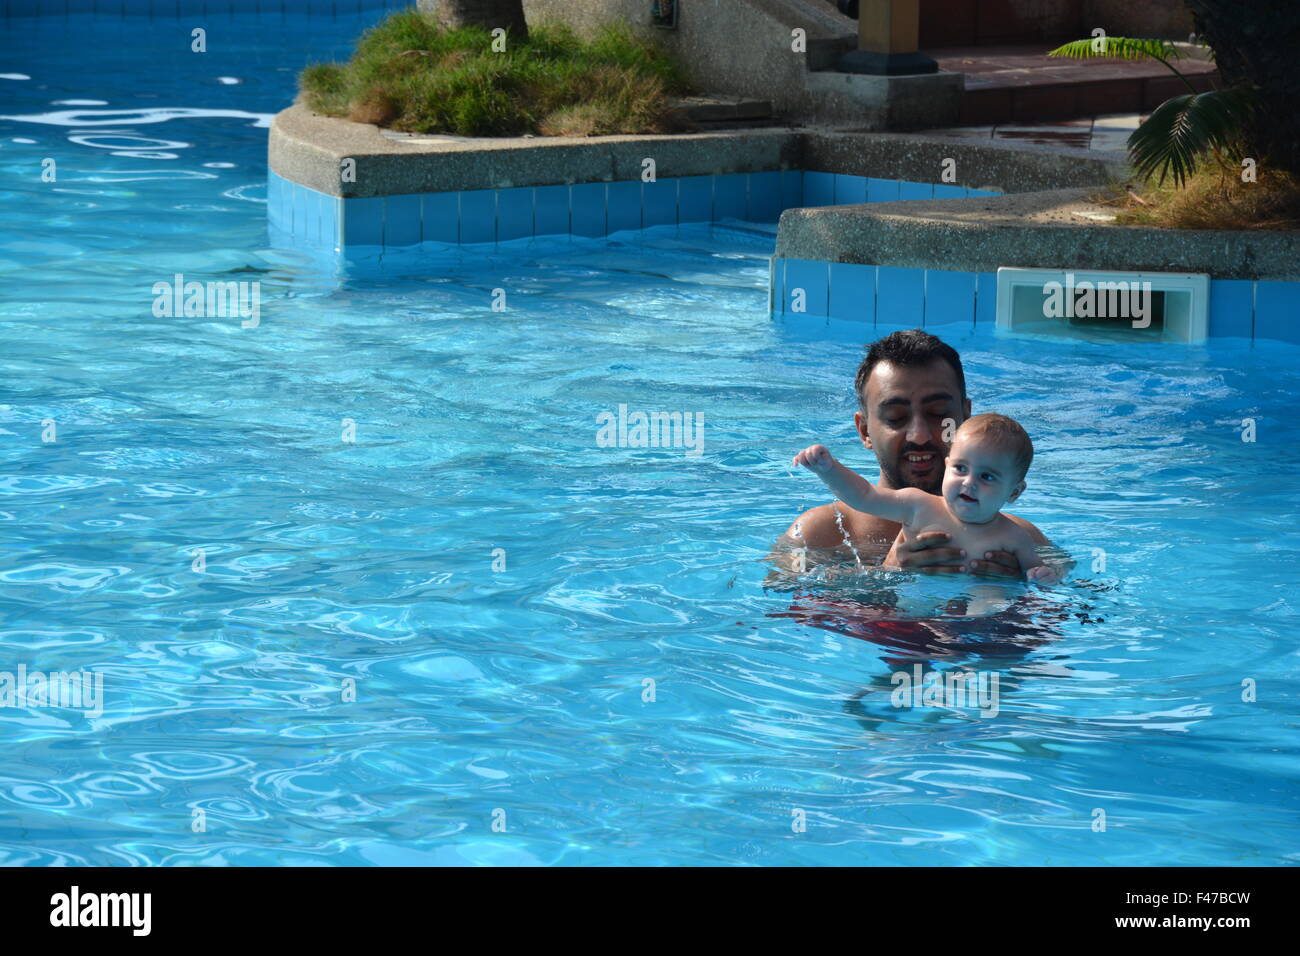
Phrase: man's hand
x=997 y=564
x=930 y=552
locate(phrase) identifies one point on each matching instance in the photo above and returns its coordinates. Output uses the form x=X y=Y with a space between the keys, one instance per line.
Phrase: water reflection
x=943 y=633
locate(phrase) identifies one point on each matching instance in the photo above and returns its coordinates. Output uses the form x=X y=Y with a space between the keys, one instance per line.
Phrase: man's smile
x=920 y=463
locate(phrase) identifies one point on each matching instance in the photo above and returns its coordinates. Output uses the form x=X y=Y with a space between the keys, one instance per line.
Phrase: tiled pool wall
x=580 y=209
x=190 y=8
x=895 y=296
x=869 y=294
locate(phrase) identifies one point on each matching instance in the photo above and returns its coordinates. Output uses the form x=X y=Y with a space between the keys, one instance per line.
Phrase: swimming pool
x=499 y=587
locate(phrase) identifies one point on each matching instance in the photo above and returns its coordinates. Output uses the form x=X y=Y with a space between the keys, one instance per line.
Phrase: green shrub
x=409 y=75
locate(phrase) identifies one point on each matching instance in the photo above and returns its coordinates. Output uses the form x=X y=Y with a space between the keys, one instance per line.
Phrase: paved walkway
x=1021 y=83
x=1108 y=133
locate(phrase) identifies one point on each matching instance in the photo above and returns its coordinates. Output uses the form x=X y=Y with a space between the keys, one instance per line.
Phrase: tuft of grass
x=1213 y=197
x=409 y=75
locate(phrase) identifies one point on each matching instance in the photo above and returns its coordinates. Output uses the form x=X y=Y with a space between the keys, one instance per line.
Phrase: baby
x=986 y=468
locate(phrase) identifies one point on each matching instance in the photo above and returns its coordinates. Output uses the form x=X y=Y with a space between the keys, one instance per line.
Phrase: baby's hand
x=815 y=458
x=1043 y=574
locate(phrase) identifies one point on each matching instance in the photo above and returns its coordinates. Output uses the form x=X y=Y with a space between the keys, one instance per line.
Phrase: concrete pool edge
x=307 y=148
x=1041 y=229
x=846 y=200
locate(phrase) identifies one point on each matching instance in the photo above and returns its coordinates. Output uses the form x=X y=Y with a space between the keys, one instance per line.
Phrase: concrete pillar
x=887 y=40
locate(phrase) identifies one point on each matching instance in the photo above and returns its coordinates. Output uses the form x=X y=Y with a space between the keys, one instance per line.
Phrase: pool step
x=702 y=113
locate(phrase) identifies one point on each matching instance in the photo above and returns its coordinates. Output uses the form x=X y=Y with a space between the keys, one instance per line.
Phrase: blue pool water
x=515 y=694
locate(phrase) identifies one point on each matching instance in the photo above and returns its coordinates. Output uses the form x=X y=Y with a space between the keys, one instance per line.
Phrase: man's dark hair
x=908 y=349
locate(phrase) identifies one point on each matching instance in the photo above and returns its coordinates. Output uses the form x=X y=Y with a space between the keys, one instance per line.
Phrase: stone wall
x=742 y=47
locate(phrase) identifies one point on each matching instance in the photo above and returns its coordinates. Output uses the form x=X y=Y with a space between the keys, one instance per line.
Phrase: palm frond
x=1124 y=48
x=1183 y=128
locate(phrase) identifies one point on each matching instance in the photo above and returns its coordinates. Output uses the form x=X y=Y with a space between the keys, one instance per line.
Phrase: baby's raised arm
x=855 y=491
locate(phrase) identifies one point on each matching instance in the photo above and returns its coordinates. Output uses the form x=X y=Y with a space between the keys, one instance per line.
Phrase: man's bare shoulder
x=826 y=525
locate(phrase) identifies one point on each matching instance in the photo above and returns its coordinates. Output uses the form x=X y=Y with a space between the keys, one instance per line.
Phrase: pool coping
x=868 y=221
x=307 y=148
x=1040 y=229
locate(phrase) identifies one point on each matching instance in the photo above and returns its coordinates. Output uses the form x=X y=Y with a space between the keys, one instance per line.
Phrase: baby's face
x=979 y=479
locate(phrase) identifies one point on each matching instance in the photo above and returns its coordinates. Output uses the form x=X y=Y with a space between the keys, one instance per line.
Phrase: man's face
x=909 y=409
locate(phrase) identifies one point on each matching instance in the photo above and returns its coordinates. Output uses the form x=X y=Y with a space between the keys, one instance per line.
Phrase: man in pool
x=912 y=398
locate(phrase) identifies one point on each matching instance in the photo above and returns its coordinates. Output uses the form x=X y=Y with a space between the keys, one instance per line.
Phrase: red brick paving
x=1020 y=83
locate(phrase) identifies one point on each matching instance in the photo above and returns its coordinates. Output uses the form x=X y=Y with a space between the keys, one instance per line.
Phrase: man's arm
x=820 y=528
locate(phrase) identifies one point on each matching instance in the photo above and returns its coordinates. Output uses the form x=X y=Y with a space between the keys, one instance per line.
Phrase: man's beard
x=893 y=472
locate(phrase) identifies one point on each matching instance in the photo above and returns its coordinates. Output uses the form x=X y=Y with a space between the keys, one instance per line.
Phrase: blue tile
x=810 y=278
x=882 y=190
x=730 y=196
x=850 y=189
x=949 y=191
x=853 y=292
x=306 y=214
x=402 y=220
x=331 y=208
x=900 y=297
x=623 y=206
x=812 y=328
x=659 y=203
x=775 y=285
x=764 y=197
x=949 y=298
x=440 y=217
x=1277 y=311
x=818 y=189
x=695 y=199
x=478 y=216
x=514 y=213
x=986 y=299
x=363 y=221
x=551 y=211
x=310 y=208
x=275 y=200
x=1232 y=308
x=289 y=198
x=791 y=189
x=908 y=190
x=587 y=209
